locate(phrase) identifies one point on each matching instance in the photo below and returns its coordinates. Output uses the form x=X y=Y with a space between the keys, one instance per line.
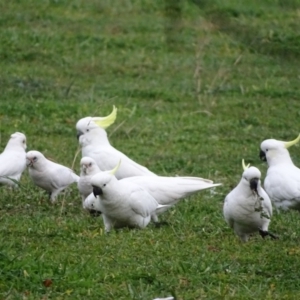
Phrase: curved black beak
x=253 y=184
x=79 y=133
x=262 y=155
x=97 y=191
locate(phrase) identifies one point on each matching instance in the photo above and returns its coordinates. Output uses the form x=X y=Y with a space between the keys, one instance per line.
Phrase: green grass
x=198 y=85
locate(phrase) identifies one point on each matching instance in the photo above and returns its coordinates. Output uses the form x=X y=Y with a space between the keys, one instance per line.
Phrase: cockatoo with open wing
x=95 y=144
x=165 y=190
x=123 y=204
x=247 y=208
x=282 y=182
x=49 y=175
x=13 y=159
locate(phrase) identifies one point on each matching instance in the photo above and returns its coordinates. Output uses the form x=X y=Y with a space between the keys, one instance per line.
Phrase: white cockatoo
x=88 y=168
x=95 y=144
x=49 y=175
x=282 y=182
x=123 y=204
x=13 y=160
x=247 y=208
x=165 y=190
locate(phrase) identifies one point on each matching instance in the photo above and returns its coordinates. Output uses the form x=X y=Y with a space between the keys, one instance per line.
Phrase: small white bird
x=247 y=208
x=95 y=144
x=13 y=160
x=88 y=168
x=123 y=204
x=282 y=182
x=48 y=175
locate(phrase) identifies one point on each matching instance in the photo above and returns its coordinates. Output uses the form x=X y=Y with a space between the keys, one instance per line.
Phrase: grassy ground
x=198 y=85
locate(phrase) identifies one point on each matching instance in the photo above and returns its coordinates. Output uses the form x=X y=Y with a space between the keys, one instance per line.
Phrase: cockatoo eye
x=87 y=130
x=90 y=164
x=35 y=158
x=92 y=205
x=24 y=141
x=104 y=184
x=267 y=150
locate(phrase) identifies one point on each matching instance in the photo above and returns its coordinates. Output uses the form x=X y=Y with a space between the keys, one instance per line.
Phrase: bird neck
x=11 y=146
x=280 y=158
x=97 y=136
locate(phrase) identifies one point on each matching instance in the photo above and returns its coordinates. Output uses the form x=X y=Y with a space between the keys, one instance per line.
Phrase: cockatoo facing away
x=13 y=159
x=50 y=176
x=247 y=208
x=88 y=168
x=123 y=204
x=95 y=144
x=282 y=182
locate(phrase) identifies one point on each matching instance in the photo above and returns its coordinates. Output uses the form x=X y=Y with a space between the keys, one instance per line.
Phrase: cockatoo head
x=104 y=181
x=88 y=166
x=251 y=177
x=92 y=204
x=91 y=129
x=17 y=139
x=274 y=151
x=34 y=159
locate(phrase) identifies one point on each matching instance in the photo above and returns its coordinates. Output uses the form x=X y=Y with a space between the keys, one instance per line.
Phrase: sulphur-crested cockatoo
x=13 y=160
x=247 y=208
x=88 y=168
x=95 y=144
x=123 y=204
x=165 y=190
x=48 y=175
x=282 y=182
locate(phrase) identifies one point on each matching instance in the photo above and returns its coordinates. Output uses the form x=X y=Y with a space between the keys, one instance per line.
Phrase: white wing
x=141 y=202
x=169 y=190
x=60 y=175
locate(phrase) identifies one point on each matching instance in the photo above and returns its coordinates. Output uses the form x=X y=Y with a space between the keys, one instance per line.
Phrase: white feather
x=49 y=175
x=13 y=159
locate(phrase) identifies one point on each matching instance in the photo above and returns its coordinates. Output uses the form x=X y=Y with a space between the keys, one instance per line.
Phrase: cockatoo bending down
x=165 y=190
x=49 y=175
x=13 y=160
x=95 y=144
x=247 y=208
x=282 y=182
x=123 y=204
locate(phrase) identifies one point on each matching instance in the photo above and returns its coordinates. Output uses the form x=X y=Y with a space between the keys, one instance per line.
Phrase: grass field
x=198 y=85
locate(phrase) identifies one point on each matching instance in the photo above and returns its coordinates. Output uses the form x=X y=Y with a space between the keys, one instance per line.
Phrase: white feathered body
x=13 y=159
x=50 y=176
x=125 y=204
x=282 y=184
x=245 y=211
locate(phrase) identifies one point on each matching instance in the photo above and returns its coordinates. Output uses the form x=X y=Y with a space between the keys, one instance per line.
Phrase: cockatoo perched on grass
x=13 y=160
x=95 y=144
x=50 y=176
x=165 y=190
x=247 y=208
x=282 y=182
x=123 y=204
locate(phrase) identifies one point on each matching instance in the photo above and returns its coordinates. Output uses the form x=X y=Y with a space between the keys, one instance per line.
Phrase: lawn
x=198 y=85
